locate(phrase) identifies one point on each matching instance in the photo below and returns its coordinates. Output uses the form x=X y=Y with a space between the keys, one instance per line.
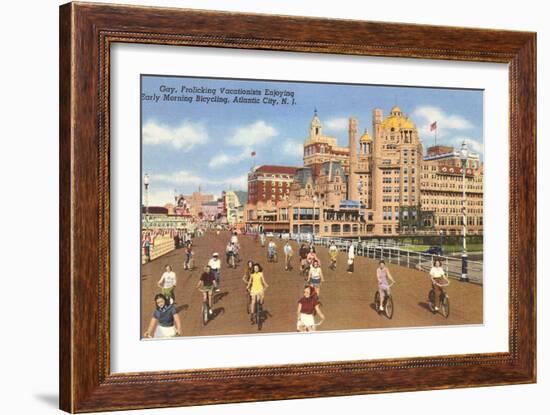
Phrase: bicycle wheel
x=204 y=315
x=431 y=300
x=258 y=313
x=445 y=306
x=377 y=301
x=388 y=309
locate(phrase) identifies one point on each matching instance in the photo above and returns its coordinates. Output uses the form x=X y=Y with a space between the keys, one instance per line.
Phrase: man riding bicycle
x=288 y=255
x=206 y=286
x=271 y=250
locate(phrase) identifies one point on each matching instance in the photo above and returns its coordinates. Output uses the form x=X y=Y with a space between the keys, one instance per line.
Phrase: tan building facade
x=378 y=185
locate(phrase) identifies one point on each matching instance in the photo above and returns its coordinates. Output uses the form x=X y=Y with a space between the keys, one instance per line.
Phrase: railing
x=392 y=253
x=162 y=245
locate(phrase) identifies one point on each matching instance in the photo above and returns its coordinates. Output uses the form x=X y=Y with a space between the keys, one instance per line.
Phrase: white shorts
x=165 y=331
x=306 y=320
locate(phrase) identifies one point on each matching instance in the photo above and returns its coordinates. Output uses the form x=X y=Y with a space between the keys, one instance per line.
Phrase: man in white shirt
x=351 y=258
x=167 y=283
x=288 y=255
x=215 y=265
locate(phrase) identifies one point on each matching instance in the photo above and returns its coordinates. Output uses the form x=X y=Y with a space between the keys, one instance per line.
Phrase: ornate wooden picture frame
x=87 y=32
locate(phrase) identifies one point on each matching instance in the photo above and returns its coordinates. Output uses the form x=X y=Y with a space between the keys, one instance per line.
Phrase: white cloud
x=252 y=135
x=446 y=123
x=475 y=146
x=220 y=160
x=336 y=124
x=187 y=178
x=183 y=137
x=293 y=148
x=182 y=176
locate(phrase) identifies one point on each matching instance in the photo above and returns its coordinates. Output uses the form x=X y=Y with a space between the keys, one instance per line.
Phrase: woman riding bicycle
x=312 y=256
x=308 y=305
x=206 y=286
x=439 y=280
x=315 y=277
x=256 y=286
x=384 y=277
x=165 y=322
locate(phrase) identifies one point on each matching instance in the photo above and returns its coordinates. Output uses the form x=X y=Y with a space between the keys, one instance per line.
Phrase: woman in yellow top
x=256 y=286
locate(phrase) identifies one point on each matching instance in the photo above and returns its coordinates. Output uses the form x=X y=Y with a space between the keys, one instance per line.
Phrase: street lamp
x=464 y=160
x=146 y=184
x=314 y=209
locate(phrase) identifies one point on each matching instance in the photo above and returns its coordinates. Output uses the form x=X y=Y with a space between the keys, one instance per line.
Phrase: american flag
x=433 y=126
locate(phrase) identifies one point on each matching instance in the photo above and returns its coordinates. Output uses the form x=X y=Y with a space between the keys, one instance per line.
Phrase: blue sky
x=187 y=144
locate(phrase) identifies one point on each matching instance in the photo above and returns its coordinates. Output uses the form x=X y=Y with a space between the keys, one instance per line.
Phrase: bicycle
x=232 y=261
x=258 y=312
x=387 y=305
x=189 y=264
x=205 y=311
x=444 y=302
x=272 y=256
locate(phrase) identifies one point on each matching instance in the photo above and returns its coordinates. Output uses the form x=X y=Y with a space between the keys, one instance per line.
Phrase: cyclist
x=308 y=305
x=165 y=321
x=304 y=250
x=234 y=238
x=315 y=276
x=188 y=256
x=384 y=277
x=439 y=280
x=271 y=250
x=262 y=239
x=256 y=286
x=206 y=285
x=215 y=265
x=167 y=283
x=312 y=256
x=333 y=252
x=248 y=270
x=288 y=255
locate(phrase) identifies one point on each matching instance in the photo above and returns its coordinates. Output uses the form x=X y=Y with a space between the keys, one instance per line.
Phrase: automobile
x=434 y=250
x=269 y=234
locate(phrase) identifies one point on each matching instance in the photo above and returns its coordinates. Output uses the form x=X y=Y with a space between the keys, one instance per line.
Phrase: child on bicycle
x=385 y=280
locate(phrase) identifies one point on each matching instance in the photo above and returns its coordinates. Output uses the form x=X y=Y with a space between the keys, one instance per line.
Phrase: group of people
x=165 y=321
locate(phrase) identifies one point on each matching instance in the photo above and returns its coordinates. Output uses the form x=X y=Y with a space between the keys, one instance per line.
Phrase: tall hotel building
x=379 y=185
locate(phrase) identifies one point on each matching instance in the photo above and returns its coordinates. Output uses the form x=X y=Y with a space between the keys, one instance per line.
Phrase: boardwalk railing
x=392 y=253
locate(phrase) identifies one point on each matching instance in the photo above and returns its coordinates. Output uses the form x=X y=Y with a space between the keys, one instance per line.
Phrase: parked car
x=434 y=250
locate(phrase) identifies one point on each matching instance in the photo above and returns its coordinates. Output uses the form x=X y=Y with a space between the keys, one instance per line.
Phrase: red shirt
x=308 y=304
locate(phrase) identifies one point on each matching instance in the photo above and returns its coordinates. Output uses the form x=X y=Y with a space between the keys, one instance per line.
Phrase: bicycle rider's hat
x=215 y=254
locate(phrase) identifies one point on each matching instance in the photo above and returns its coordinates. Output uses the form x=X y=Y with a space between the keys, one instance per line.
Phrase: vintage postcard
x=272 y=206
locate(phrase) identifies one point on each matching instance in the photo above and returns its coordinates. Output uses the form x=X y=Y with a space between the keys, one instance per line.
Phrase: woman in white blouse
x=439 y=280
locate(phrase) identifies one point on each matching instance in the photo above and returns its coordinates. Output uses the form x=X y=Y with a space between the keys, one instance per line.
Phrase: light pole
x=146 y=184
x=464 y=160
x=314 y=209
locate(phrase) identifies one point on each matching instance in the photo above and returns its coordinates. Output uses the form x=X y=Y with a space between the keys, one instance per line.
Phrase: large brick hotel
x=380 y=185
